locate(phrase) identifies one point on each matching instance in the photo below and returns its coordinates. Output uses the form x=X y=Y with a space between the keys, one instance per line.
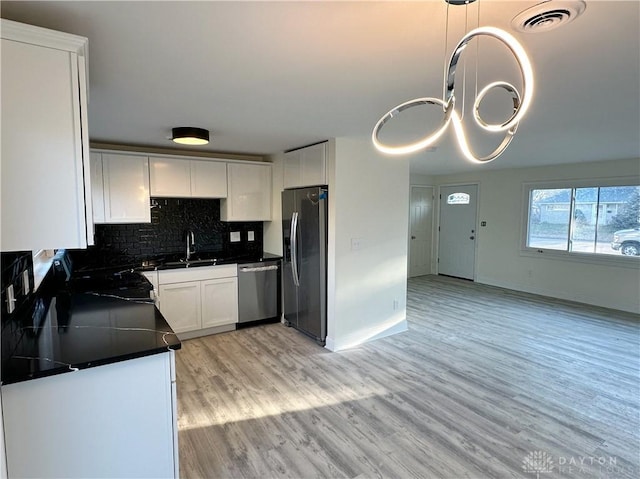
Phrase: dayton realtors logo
x=541 y=462
x=537 y=462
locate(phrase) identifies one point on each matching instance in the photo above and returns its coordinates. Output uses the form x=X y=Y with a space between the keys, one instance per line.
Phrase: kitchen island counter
x=88 y=381
x=67 y=332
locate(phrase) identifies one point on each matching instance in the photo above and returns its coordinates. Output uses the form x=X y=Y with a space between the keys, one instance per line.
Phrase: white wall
x=369 y=202
x=423 y=180
x=499 y=262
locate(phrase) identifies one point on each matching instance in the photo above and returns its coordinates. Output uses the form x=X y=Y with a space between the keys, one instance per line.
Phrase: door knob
x=472 y=237
x=413 y=237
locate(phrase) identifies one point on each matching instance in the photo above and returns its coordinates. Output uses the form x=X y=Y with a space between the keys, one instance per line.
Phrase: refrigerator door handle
x=294 y=249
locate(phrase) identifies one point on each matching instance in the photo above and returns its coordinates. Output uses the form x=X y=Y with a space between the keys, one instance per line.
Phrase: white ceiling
x=265 y=77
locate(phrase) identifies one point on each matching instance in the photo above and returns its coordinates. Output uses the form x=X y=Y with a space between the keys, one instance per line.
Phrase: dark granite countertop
x=101 y=315
x=169 y=262
x=174 y=261
x=68 y=331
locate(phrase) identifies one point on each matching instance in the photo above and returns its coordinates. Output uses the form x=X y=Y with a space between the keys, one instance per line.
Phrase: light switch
x=235 y=236
x=25 y=282
x=251 y=236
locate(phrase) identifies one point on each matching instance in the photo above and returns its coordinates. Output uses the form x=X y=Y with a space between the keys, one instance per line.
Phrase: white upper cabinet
x=248 y=193
x=184 y=178
x=46 y=190
x=126 y=188
x=170 y=177
x=208 y=179
x=306 y=166
x=97 y=187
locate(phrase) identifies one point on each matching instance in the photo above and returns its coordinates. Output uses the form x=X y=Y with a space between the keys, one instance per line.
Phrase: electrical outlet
x=356 y=244
x=26 y=287
x=11 y=299
x=235 y=236
x=251 y=236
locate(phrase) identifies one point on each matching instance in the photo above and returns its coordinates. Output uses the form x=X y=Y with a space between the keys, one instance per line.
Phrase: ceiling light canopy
x=520 y=102
x=188 y=135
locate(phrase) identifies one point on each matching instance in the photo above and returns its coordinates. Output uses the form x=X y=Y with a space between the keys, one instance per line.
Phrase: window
x=583 y=220
x=458 y=199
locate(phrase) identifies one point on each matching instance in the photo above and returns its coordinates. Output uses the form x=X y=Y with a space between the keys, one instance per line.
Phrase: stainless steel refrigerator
x=304 y=273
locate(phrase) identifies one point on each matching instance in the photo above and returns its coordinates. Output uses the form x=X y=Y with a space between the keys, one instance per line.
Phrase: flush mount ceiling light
x=521 y=102
x=548 y=15
x=190 y=136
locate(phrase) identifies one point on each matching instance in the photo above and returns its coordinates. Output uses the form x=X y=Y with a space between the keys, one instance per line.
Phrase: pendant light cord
x=464 y=63
x=475 y=95
x=446 y=68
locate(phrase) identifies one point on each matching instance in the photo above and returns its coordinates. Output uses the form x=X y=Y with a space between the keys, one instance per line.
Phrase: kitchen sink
x=192 y=262
x=197 y=259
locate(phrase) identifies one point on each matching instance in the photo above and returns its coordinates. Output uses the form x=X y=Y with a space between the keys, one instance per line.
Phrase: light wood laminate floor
x=483 y=379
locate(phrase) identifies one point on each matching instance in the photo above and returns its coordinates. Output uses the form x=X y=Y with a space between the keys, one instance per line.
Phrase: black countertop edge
x=211 y=262
x=67 y=368
x=174 y=262
x=70 y=331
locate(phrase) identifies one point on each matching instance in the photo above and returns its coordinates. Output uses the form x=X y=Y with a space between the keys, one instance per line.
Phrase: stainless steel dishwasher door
x=258 y=291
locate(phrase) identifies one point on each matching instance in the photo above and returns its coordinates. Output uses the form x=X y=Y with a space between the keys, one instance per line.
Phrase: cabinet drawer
x=200 y=273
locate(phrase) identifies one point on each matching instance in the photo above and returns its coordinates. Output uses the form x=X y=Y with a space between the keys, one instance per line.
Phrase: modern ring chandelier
x=520 y=102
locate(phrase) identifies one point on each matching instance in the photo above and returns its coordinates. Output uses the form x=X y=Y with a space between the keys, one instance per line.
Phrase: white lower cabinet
x=117 y=420
x=219 y=302
x=195 y=300
x=180 y=304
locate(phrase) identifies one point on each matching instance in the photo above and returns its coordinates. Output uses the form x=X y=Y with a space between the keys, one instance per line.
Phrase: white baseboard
x=387 y=328
x=207 y=331
x=630 y=306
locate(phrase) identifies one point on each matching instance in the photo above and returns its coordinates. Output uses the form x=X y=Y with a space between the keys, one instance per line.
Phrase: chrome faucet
x=190 y=244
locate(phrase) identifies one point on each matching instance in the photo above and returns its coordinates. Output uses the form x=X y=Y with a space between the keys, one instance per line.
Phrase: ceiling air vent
x=548 y=15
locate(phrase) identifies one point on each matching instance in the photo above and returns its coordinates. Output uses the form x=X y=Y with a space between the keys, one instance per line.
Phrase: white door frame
x=433 y=223
x=437 y=229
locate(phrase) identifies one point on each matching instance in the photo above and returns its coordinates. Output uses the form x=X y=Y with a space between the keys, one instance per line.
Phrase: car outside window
x=584 y=220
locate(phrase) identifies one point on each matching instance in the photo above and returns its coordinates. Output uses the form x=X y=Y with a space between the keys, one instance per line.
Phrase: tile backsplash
x=171 y=218
x=13 y=265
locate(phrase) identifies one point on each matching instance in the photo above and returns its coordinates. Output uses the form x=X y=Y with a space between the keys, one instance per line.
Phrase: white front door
x=421 y=220
x=457 y=245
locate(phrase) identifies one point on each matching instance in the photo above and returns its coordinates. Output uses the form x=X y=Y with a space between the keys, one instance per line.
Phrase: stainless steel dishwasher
x=259 y=291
